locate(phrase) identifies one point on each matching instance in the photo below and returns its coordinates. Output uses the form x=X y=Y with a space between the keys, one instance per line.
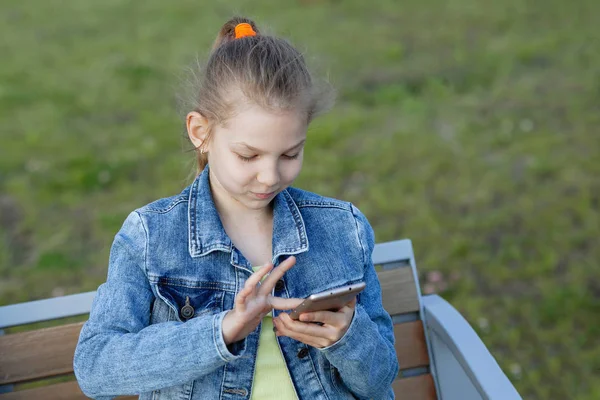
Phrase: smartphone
x=329 y=300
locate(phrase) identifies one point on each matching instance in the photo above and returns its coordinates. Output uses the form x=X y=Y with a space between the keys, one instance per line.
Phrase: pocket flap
x=189 y=301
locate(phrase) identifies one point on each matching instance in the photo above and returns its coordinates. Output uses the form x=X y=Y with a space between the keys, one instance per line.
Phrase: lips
x=264 y=195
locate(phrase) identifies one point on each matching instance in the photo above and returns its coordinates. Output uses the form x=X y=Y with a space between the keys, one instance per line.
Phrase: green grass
x=468 y=126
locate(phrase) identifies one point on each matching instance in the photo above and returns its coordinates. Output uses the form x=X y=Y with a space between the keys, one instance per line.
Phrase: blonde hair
x=268 y=72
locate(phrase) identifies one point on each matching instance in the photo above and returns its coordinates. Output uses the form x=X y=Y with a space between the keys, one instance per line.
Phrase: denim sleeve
x=365 y=356
x=119 y=353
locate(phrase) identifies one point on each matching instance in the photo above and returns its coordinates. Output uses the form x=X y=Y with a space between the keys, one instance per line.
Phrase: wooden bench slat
x=49 y=352
x=399 y=290
x=410 y=345
x=59 y=391
x=415 y=388
x=36 y=354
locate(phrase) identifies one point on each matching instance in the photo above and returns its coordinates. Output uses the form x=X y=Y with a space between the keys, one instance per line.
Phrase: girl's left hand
x=334 y=326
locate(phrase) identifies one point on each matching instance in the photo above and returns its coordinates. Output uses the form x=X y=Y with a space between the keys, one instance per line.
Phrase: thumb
x=351 y=304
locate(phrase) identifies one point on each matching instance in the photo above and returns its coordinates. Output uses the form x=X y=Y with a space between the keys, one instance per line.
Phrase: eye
x=245 y=159
x=291 y=157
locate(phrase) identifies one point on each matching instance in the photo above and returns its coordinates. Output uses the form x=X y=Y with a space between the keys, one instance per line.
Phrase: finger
x=349 y=309
x=268 y=284
x=352 y=303
x=257 y=276
x=240 y=299
x=325 y=317
x=309 y=329
x=311 y=340
x=279 y=303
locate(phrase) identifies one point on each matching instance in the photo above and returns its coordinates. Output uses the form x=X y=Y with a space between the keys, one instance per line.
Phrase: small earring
x=201 y=150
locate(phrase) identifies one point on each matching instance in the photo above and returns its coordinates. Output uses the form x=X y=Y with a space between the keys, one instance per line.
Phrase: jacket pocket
x=181 y=300
x=188 y=300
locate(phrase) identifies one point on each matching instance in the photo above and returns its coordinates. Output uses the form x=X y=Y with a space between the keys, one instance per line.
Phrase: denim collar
x=206 y=232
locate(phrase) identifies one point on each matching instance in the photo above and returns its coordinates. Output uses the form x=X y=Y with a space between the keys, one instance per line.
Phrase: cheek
x=232 y=174
x=240 y=173
x=290 y=170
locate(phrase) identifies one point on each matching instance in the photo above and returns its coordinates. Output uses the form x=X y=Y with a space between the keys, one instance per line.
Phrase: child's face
x=271 y=144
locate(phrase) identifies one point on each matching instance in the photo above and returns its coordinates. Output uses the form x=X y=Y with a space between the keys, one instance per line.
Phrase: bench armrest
x=45 y=310
x=463 y=365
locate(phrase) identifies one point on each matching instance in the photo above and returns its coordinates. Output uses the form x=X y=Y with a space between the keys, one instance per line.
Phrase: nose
x=269 y=176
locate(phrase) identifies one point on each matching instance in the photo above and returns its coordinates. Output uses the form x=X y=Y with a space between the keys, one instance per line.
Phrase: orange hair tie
x=244 y=29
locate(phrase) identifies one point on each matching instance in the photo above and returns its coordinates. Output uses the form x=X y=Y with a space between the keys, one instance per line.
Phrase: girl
x=184 y=315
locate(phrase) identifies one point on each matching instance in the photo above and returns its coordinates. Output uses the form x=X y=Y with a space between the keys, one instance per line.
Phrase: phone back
x=329 y=300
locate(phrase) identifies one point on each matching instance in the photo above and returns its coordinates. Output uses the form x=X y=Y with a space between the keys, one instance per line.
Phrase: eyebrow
x=260 y=151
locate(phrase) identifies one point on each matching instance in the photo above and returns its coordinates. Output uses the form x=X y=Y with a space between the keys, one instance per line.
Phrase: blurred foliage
x=468 y=126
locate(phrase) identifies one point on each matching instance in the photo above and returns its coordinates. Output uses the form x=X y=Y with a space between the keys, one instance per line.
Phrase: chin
x=258 y=203
x=251 y=203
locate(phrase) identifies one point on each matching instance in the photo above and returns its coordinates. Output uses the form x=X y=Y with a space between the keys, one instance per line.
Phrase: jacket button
x=303 y=352
x=279 y=285
x=187 y=311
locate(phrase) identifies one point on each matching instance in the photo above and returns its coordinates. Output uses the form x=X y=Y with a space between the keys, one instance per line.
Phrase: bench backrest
x=48 y=352
x=397 y=272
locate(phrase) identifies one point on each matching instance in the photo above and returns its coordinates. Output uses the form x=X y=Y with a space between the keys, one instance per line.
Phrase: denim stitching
x=313 y=203
x=192 y=218
x=362 y=245
x=147 y=240
x=312 y=363
x=297 y=218
x=175 y=283
x=215 y=333
x=166 y=209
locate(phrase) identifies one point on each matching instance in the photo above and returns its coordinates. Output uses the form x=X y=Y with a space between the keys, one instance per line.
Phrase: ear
x=197 y=129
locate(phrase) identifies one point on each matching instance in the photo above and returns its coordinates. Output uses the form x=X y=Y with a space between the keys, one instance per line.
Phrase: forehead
x=265 y=129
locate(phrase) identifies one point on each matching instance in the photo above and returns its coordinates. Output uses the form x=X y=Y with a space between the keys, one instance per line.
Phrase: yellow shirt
x=271 y=377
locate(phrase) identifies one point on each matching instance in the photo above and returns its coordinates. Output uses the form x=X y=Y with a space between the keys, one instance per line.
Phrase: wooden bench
x=440 y=355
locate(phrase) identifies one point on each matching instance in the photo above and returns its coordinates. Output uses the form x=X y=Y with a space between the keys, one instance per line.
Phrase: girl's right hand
x=255 y=301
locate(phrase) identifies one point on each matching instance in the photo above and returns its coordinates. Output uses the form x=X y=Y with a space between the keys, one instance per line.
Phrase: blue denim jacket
x=175 y=251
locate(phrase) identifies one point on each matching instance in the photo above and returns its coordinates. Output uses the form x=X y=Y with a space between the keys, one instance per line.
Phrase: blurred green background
x=469 y=126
